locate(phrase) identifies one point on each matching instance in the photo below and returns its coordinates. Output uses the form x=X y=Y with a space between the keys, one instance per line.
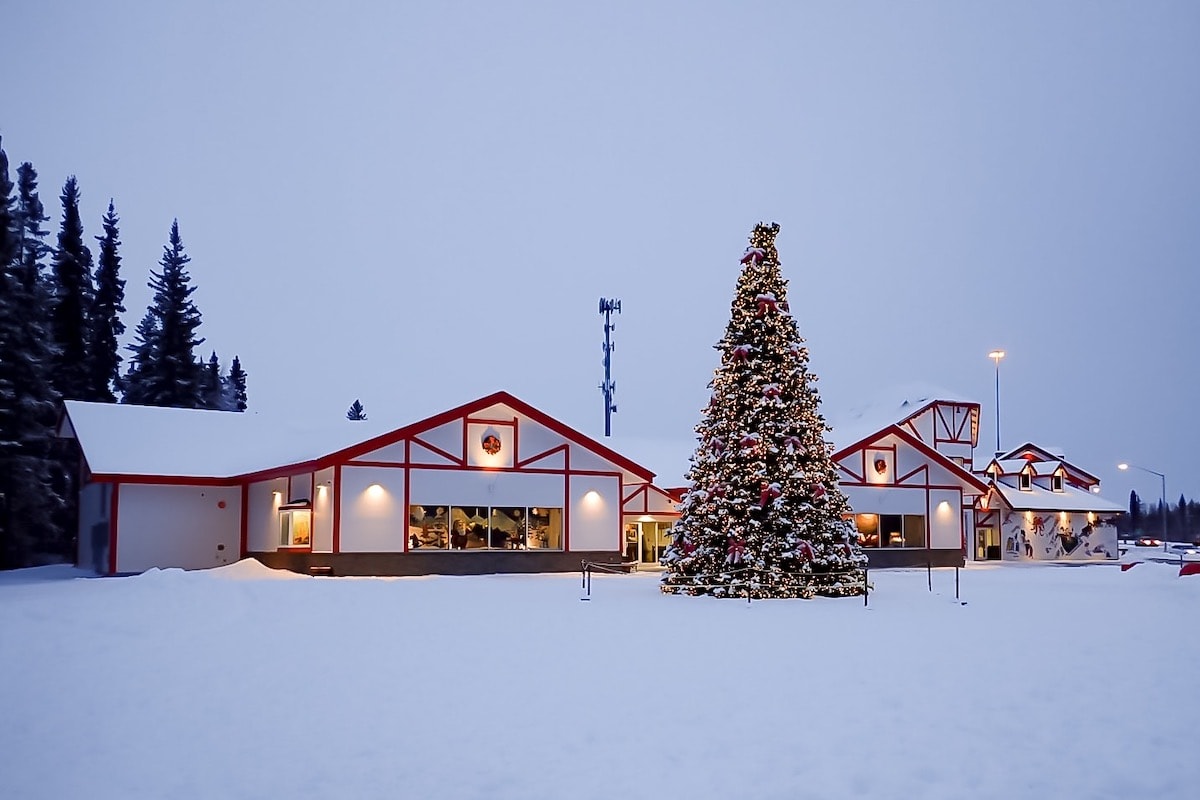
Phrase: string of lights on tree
x=763 y=515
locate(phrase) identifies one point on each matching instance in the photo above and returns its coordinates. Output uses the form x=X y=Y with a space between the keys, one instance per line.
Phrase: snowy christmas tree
x=763 y=513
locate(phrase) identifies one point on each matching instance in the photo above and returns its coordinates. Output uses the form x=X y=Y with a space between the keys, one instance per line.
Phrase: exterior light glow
x=374 y=491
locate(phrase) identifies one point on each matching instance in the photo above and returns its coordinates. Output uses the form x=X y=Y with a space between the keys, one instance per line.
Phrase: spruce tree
x=1135 y=512
x=763 y=514
x=31 y=215
x=27 y=401
x=237 y=386
x=72 y=301
x=356 y=412
x=212 y=392
x=105 y=358
x=164 y=370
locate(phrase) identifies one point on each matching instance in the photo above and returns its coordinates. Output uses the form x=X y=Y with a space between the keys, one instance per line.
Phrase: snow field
x=244 y=682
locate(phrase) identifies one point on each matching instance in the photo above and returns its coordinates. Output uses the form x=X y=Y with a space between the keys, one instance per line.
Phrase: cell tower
x=609 y=387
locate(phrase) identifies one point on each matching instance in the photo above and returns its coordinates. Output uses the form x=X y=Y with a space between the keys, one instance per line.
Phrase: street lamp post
x=996 y=355
x=1163 y=478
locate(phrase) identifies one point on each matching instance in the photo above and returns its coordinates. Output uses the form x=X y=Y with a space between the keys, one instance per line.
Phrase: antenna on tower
x=609 y=387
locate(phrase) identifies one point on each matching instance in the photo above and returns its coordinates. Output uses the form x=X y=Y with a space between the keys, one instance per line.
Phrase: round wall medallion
x=491 y=444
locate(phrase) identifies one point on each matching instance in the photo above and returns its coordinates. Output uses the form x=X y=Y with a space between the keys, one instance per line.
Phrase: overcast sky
x=419 y=203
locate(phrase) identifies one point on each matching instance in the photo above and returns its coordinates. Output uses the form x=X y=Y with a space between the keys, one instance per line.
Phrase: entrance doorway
x=987 y=544
x=653 y=539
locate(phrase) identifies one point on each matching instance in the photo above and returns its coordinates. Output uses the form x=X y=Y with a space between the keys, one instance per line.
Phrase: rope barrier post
x=955 y=581
x=929 y=573
x=866 y=587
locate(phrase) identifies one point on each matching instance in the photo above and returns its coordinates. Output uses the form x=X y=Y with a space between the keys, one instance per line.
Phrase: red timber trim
x=567 y=500
x=917 y=444
x=503 y=423
x=620 y=540
x=851 y=473
x=460 y=461
x=912 y=429
x=924 y=468
x=640 y=490
x=173 y=480
x=475 y=406
x=114 y=506
x=244 y=524
x=562 y=448
x=337 y=508
x=406 y=492
x=962 y=426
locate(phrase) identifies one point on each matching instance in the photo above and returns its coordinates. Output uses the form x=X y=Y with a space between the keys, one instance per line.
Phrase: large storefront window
x=450 y=527
x=890 y=530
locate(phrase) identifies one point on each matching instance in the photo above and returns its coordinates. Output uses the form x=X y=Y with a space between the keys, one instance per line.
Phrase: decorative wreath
x=881 y=466
x=491 y=444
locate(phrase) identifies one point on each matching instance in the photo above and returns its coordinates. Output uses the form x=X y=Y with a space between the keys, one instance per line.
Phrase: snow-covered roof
x=888 y=407
x=1069 y=499
x=146 y=440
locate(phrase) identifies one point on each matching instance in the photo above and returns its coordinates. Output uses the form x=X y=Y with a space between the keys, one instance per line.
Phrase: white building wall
x=1054 y=536
x=322 y=541
x=535 y=438
x=392 y=453
x=474 y=487
x=262 y=514
x=177 y=526
x=945 y=519
x=300 y=487
x=885 y=499
x=373 y=510
x=446 y=437
x=94 y=513
x=595 y=518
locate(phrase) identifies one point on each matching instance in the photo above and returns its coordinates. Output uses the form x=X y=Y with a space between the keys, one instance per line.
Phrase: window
x=890 y=530
x=295 y=527
x=1056 y=482
x=466 y=528
x=1026 y=482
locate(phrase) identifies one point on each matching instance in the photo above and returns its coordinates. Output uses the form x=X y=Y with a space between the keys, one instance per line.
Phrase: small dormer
x=1057 y=479
x=1025 y=479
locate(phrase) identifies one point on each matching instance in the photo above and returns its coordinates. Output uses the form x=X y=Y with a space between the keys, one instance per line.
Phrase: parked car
x=1186 y=549
x=1149 y=541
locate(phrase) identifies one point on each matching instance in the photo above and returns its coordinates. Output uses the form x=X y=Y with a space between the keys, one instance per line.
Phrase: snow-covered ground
x=241 y=682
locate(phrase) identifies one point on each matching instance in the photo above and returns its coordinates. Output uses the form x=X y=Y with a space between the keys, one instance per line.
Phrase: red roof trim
x=919 y=445
x=475 y=406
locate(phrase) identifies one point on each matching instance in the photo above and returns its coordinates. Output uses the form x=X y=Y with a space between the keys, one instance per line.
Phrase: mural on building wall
x=1046 y=536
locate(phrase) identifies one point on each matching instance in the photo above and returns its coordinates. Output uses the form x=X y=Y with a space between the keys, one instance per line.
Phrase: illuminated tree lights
x=763 y=516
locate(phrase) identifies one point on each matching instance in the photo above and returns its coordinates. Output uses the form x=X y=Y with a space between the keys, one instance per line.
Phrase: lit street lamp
x=1164 y=496
x=996 y=355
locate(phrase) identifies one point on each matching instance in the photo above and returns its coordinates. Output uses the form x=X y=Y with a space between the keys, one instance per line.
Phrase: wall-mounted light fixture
x=375 y=491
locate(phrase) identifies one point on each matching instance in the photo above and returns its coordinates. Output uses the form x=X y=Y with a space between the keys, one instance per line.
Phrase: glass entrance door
x=987 y=544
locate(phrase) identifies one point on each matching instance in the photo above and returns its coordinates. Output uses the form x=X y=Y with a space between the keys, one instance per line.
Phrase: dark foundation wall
x=884 y=558
x=485 y=562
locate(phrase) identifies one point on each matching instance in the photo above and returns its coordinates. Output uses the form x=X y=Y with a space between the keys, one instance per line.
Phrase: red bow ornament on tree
x=735 y=550
x=749 y=442
x=767 y=493
x=741 y=353
x=754 y=255
x=772 y=391
x=818 y=491
x=766 y=301
x=794 y=445
x=806 y=551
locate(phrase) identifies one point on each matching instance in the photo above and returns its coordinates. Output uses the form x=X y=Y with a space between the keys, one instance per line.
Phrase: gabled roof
x=1040 y=454
x=146 y=441
x=967 y=477
x=1040 y=499
x=892 y=406
x=483 y=403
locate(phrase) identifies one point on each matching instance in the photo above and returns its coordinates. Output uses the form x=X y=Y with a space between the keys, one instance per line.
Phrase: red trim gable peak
x=929 y=452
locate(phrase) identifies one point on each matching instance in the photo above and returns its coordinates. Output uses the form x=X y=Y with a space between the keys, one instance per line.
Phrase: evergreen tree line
x=1183 y=519
x=60 y=333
